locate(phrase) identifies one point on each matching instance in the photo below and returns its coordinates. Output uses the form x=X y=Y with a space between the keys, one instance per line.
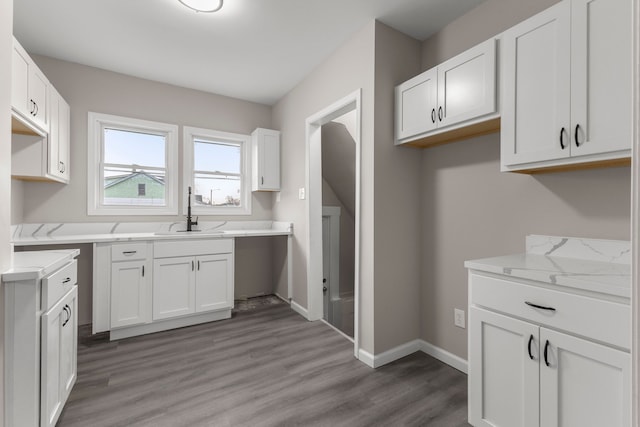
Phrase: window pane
x=134 y=148
x=216 y=190
x=122 y=187
x=216 y=157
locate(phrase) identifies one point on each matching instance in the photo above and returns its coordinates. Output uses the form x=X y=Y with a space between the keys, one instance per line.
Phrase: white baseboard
x=442 y=355
x=283 y=298
x=375 y=361
x=299 y=309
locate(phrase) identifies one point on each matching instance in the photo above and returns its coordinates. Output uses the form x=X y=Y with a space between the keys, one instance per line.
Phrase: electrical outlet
x=301 y=193
x=458 y=318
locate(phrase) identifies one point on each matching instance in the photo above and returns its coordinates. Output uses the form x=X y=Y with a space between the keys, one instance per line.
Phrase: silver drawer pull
x=67 y=280
x=541 y=307
x=129 y=252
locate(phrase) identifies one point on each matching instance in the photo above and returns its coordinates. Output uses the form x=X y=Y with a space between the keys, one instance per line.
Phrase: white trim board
x=299 y=309
x=391 y=355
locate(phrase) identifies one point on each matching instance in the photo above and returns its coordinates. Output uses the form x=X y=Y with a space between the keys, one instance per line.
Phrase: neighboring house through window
x=216 y=166
x=133 y=166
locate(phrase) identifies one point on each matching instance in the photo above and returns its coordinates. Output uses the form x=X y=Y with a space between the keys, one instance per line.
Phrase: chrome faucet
x=189 y=221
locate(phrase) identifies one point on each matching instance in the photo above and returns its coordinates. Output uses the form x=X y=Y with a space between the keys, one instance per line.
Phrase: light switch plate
x=301 y=194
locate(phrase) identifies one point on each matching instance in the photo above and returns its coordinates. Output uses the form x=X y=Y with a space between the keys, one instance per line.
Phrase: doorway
x=338 y=221
x=316 y=267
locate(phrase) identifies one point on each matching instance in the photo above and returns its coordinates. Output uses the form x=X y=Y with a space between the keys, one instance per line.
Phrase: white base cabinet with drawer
x=41 y=342
x=534 y=362
x=130 y=284
x=151 y=286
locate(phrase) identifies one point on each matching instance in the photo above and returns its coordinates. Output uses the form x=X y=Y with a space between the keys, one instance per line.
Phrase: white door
x=173 y=287
x=416 y=105
x=214 y=282
x=583 y=383
x=53 y=138
x=503 y=371
x=601 y=66
x=64 y=138
x=467 y=85
x=535 y=123
x=130 y=293
x=58 y=357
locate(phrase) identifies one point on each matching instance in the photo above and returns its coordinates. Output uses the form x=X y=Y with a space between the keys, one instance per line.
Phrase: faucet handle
x=196 y=221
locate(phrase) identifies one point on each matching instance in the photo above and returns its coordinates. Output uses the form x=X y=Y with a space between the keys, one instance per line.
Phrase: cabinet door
x=173 y=287
x=601 y=67
x=536 y=95
x=214 y=282
x=503 y=371
x=130 y=293
x=467 y=85
x=20 y=81
x=58 y=357
x=583 y=383
x=38 y=88
x=58 y=138
x=416 y=105
x=270 y=161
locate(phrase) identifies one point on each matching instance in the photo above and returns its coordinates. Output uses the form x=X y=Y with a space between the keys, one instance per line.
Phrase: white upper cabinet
x=458 y=93
x=59 y=129
x=416 y=105
x=265 y=157
x=29 y=90
x=566 y=88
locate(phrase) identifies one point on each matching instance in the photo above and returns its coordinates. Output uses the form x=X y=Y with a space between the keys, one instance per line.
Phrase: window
x=132 y=166
x=216 y=166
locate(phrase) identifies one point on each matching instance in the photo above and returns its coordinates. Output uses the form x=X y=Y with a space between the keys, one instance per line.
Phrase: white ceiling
x=256 y=50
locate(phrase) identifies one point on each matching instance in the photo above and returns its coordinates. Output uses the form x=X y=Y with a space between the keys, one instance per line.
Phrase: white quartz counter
x=72 y=233
x=37 y=264
x=601 y=266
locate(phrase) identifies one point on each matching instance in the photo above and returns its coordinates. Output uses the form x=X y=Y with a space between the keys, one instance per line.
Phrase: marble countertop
x=601 y=266
x=71 y=233
x=34 y=265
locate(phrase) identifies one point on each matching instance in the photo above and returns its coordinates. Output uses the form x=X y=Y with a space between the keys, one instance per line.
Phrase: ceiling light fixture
x=206 y=6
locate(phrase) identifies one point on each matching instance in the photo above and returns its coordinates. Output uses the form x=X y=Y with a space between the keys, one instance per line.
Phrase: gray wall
x=350 y=68
x=397 y=200
x=375 y=60
x=471 y=210
x=91 y=89
x=6 y=42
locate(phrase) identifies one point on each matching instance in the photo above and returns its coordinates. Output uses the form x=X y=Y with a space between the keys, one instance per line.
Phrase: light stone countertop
x=34 y=265
x=72 y=233
x=601 y=266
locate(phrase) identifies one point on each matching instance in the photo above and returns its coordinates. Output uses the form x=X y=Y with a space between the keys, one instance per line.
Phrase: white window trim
x=95 y=171
x=189 y=133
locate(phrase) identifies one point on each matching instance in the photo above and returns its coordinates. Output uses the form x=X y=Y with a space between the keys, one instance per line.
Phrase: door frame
x=313 y=141
x=635 y=220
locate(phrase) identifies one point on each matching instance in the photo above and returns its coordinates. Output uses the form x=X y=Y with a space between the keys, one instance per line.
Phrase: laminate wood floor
x=267 y=366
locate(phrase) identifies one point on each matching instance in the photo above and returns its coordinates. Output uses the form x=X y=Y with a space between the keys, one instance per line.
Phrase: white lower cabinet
x=523 y=372
x=59 y=356
x=150 y=286
x=41 y=343
x=192 y=284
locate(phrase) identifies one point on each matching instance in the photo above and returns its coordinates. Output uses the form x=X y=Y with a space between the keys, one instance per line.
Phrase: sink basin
x=189 y=233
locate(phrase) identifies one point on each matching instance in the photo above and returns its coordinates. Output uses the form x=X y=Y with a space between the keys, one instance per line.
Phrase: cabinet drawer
x=605 y=321
x=57 y=284
x=128 y=252
x=166 y=249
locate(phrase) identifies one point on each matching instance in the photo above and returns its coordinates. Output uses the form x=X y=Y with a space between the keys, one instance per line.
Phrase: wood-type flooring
x=267 y=366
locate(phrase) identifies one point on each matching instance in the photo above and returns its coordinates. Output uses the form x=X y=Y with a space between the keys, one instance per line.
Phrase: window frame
x=189 y=134
x=97 y=122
